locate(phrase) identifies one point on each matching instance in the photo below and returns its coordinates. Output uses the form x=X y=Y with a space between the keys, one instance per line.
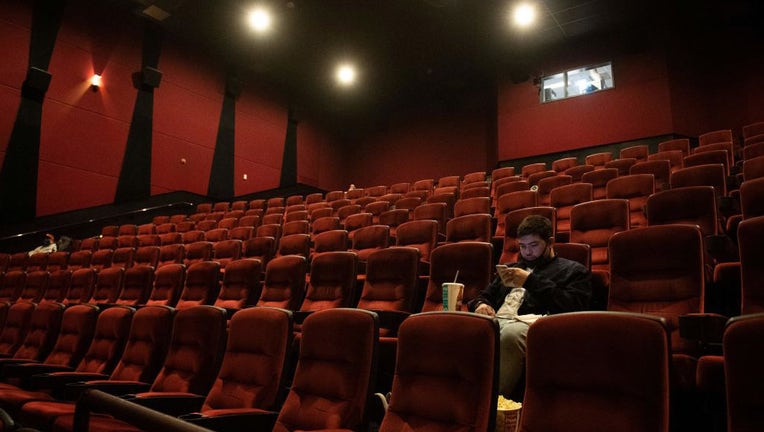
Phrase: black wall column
x=135 y=175
x=220 y=186
x=18 y=176
x=289 y=161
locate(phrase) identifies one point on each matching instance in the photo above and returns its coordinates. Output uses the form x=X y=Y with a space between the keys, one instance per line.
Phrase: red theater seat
x=473 y=261
x=201 y=286
x=427 y=387
x=168 y=282
x=635 y=188
x=573 y=383
x=241 y=284
x=284 y=283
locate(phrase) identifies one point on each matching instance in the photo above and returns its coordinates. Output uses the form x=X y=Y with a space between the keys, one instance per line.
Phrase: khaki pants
x=513 y=335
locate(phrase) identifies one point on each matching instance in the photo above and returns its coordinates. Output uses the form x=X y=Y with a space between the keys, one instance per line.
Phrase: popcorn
x=508 y=404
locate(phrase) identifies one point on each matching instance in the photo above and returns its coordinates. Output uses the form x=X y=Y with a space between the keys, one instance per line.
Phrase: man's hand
x=511 y=276
x=485 y=309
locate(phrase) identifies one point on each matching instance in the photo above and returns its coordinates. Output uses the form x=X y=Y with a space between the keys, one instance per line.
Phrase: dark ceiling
x=409 y=51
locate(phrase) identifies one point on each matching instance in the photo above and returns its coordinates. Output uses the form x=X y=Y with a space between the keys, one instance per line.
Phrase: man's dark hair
x=535 y=224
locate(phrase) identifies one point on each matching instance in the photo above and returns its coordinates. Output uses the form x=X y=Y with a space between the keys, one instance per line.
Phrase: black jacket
x=556 y=285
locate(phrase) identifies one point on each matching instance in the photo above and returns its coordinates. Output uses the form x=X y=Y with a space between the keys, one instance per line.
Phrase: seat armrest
x=26 y=370
x=299 y=316
x=391 y=319
x=255 y=421
x=705 y=328
x=57 y=380
x=172 y=404
x=116 y=388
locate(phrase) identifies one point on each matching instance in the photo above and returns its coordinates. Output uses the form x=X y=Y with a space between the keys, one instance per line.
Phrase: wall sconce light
x=95 y=82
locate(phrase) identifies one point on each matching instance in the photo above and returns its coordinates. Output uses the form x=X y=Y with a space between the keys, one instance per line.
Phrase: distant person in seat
x=48 y=245
x=541 y=283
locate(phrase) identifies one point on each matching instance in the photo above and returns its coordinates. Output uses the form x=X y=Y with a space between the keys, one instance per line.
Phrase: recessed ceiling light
x=259 y=20
x=345 y=74
x=524 y=14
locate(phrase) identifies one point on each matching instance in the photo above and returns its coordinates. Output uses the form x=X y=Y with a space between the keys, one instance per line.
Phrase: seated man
x=48 y=245
x=540 y=283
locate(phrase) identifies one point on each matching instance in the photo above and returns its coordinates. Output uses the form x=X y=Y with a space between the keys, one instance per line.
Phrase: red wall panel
x=260 y=134
x=67 y=188
x=14 y=50
x=319 y=158
x=639 y=106
x=167 y=170
x=426 y=147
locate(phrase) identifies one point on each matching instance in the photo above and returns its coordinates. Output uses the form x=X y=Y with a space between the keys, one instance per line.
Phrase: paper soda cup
x=452 y=296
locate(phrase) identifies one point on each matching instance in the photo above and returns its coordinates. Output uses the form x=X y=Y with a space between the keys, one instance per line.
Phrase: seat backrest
x=435 y=211
x=473 y=261
x=108 y=285
x=743 y=352
x=675 y=158
x=227 y=251
x=81 y=286
x=599 y=180
x=578 y=252
x=56 y=261
x=137 y=286
x=37 y=262
x=13 y=284
x=146 y=344
x=168 y=283
x=474 y=205
x=594 y=222
x=561 y=165
x=216 y=235
x=332 y=281
x=101 y=259
x=661 y=169
x=197 y=252
x=622 y=165
x=201 y=286
x=35 y=286
x=192 y=236
x=713 y=137
x=635 y=188
x=149 y=240
x=694 y=205
x=79 y=259
x=170 y=238
x=473 y=227
x=44 y=325
x=649 y=274
x=752 y=198
x=376 y=208
x=708 y=157
x=358 y=220
x=682 y=144
x=58 y=286
x=194 y=353
x=337 y=343
x=753 y=168
x=369 y=239
x=241 y=284
x=428 y=373
x=535 y=178
x=146 y=256
x=475 y=191
x=750 y=235
x=571 y=374
x=701 y=175
x=510 y=249
x=577 y=172
x=111 y=331
x=565 y=197
x=16 y=327
x=533 y=168
x=546 y=185
x=420 y=234
x=123 y=257
x=638 y=152
x=296 y=226
x=391 y=280
x=251 y=373
x=262 y=248
x=294 y=244
x=598 y=159
x=329 y=241
x=171 y=254
x=284 y=283
x=77 y=329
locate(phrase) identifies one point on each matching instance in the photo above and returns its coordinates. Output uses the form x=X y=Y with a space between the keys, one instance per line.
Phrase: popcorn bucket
x=507 y=415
